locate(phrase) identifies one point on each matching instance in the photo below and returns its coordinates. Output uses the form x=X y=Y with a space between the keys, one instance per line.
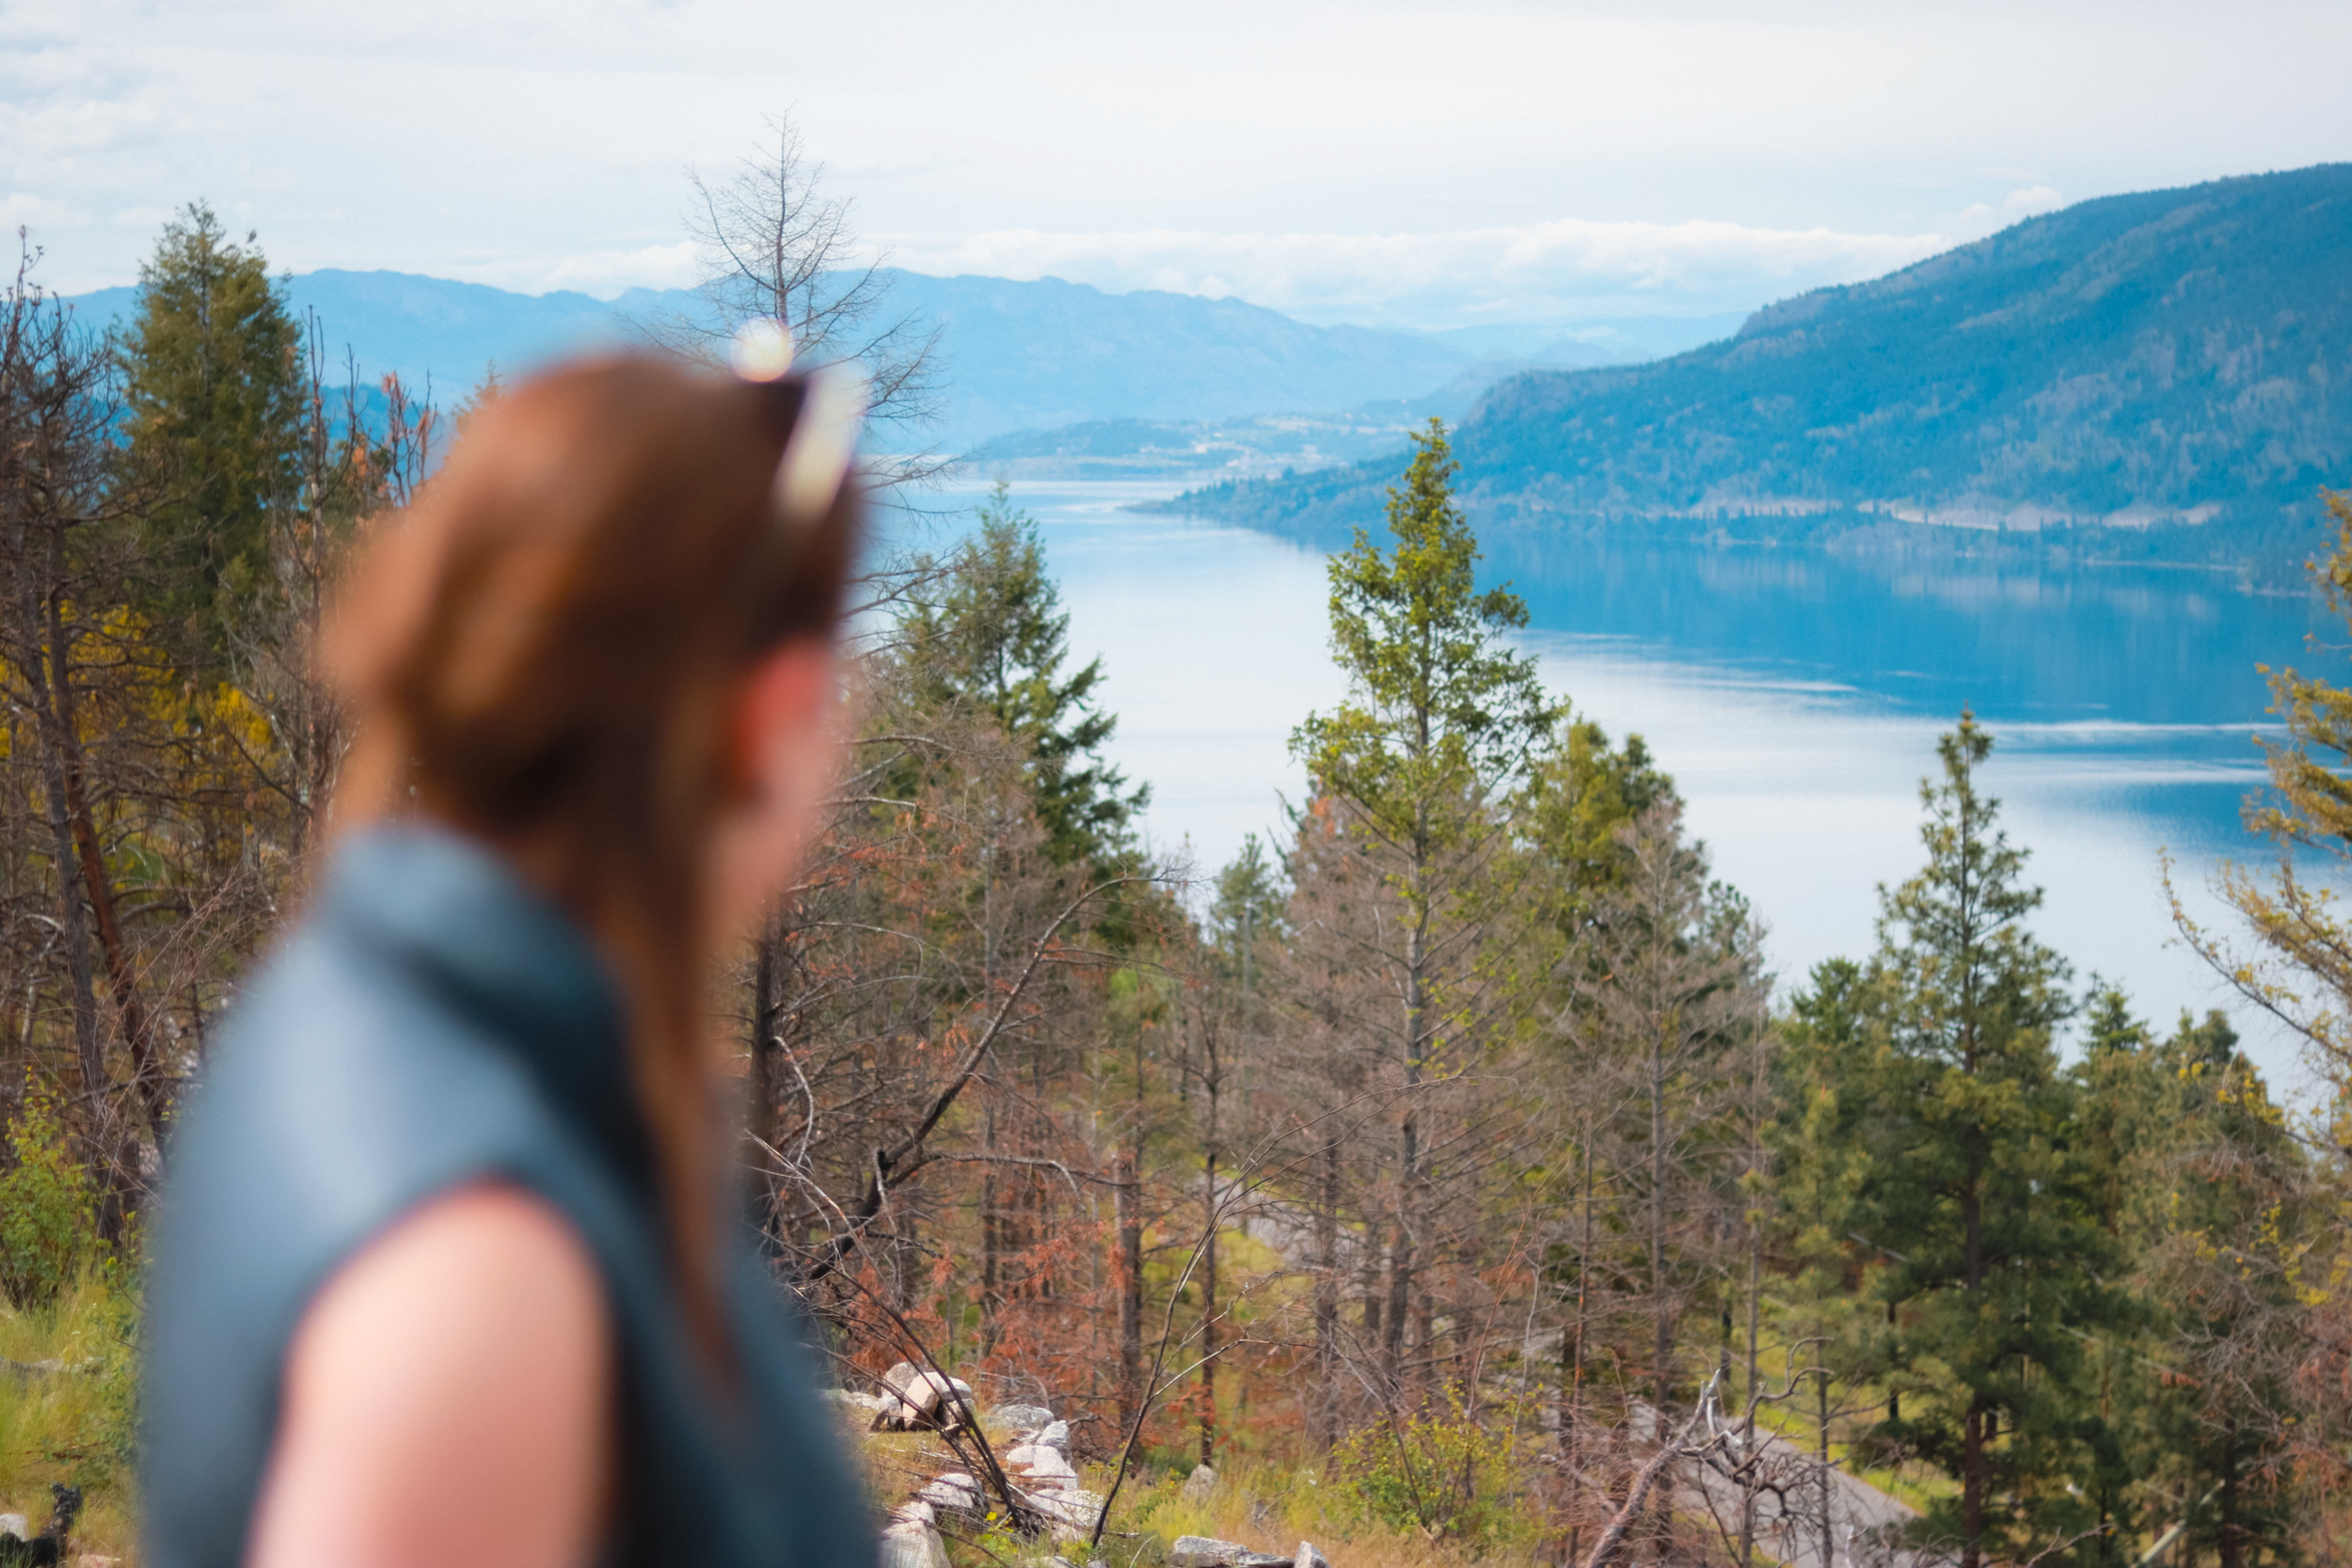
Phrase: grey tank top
x=435 y=1022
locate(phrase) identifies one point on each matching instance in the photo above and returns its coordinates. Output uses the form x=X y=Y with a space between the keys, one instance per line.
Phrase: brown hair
x=543 y=652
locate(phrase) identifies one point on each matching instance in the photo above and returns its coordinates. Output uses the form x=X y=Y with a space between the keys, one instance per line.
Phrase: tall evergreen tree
x=214 y=384
x=991 y=633
x=1973 y=1193
x=1440 y=727
x=2207 y=1191
x=2301 y=974
x=1827 y=1095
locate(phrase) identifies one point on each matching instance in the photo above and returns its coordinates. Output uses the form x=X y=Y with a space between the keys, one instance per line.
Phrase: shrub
x=46 y=1223
x=1444 y=1474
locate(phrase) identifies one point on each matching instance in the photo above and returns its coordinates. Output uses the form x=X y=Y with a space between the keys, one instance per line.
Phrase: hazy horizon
x=1503 y=163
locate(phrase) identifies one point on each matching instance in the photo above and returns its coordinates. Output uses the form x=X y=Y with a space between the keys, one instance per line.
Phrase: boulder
x=1203 y=1551
x=1069 y=1511
x=913 y=1545
x=1041 y=1462
x=917 y=1399
x=1307 y=1557
x=16 y=1524
x=869 y=1405
x=1055 y=1436
x=1018 y=1418
x=953 y=1492
x=1197 y=1486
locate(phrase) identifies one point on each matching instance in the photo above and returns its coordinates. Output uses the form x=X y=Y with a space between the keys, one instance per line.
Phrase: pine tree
x=1973 y=1193
x=2210 y=1198
x=214 y=389
x=1828 y=1097
x=990 y=632
x=2301 y=974
x=1440 y=725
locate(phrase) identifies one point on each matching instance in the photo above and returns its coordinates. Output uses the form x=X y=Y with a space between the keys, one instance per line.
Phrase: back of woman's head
x=544 y=652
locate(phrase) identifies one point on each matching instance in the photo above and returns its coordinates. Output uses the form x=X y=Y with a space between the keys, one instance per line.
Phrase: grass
x=74 y=1425
x=1265 y=1506
x=1270 y=1507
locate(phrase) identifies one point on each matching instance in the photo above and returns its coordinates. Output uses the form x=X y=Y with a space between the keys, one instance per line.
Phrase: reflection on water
x=2140 y=645
x=1795 y=696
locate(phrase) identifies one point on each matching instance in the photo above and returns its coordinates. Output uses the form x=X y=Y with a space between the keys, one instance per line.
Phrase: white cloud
x=1338 y=157
x=1563 y=271
x=1981 y=218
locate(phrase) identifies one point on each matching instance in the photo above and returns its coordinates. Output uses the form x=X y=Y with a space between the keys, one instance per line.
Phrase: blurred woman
x=448 y=1271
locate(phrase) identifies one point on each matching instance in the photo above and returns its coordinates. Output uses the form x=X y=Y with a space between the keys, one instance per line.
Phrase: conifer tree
x=2209 y=1195
x=1973 y=1195
x=1827 y=1086
x=1440 y=727
x=213 y=381
x=990 y=632
x=2299 y=974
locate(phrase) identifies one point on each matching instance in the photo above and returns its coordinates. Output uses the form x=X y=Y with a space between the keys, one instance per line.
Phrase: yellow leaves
x=232 y=710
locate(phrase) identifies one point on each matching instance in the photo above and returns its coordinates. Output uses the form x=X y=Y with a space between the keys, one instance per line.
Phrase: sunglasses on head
x=820 y=413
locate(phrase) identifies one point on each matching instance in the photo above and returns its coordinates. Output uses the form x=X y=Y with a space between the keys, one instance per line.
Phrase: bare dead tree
x=71 y=672
x=771 y=245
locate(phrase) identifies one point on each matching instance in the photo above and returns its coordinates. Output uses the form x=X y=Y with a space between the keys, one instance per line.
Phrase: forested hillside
x=2175 y=360
x=1448 y=1181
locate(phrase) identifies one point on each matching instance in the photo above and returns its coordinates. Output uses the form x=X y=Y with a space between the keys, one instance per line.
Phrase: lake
x=1796 y=698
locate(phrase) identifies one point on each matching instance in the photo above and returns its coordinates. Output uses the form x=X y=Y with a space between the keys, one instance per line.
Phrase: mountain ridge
x=1019 y=354
x=2173 y=363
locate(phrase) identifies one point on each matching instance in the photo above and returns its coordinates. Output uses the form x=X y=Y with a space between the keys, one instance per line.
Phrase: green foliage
x=1449 y=1474
x=2209 y=1189
x=1441 y=715
x=47 y=1229
x=1974 y=1196
x=1580 y=794
x=990 y=632
x=215 y=394
x=1250 y=901
x=74 y=1417
x=1820 y=1139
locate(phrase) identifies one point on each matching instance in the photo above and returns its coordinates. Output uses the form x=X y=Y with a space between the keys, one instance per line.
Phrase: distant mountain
x=418 y=326
x=2177 y=360
x=1017 y=356
x=1035 y=356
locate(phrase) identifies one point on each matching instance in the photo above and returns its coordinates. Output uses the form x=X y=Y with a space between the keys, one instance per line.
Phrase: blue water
x=1795 y=696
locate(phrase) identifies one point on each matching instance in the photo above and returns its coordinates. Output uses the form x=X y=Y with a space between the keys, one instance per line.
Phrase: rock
x=1056 y=1435
x=953 y=1492
x=16 y=1524
x=1068 y=1511
x=1018 y=1418
x=915 y=1511
x=872 y=1404
x=1042 y=1463
x=1197 y=1486
x=1307 y=1557
x=913 y=1545
x=1202 y=1551
x=920 y=1399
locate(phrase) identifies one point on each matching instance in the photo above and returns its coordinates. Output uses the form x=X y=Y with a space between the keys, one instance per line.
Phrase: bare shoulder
x=448 y=1398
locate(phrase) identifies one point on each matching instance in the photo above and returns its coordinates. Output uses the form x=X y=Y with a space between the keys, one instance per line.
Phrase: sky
x=1429 y=165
